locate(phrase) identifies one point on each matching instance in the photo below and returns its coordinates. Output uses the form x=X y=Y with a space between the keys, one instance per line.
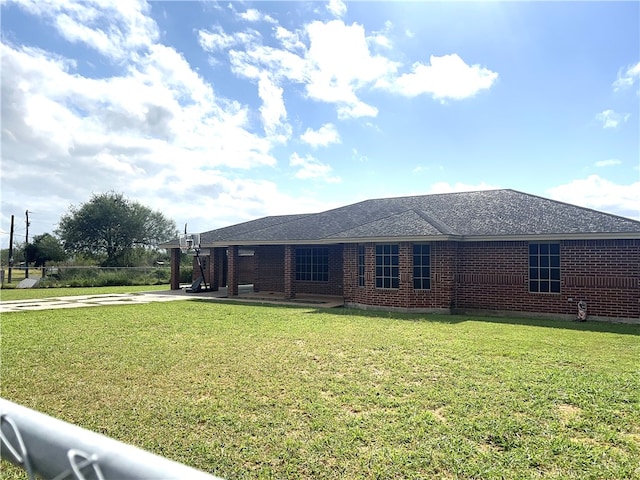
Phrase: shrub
x=186 y=275
x=103 y=277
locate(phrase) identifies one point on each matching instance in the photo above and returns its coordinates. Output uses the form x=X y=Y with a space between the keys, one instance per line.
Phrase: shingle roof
x=491 y=214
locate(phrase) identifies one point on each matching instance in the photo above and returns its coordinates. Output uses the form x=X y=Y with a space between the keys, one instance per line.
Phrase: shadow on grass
x=618 y=328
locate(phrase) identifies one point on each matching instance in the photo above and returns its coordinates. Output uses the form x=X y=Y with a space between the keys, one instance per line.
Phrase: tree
x=45 y=248
x=18 y=254
x=110 y=227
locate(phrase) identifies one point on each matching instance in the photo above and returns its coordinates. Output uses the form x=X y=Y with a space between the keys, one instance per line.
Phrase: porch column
x=175 y=269
x=289 y=272
x=214 y=269
x=233 y=272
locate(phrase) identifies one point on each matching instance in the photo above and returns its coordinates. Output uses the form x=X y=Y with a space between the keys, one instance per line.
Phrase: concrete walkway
x=246 y=294
x=86 y=301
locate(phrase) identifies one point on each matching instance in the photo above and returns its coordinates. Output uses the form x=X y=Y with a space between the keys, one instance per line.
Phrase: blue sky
x=220 y=112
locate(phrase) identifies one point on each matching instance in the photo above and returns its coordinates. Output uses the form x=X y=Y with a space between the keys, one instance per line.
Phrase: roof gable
x=410 y=223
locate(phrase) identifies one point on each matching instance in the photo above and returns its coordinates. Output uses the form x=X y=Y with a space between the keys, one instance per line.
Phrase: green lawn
x=246 y=391
x=31 y=293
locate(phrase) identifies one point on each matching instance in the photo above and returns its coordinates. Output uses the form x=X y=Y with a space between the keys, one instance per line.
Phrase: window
x=421 y=267
x=361 y=265
x=387 y=266
x=312 y=264
x=544 y=267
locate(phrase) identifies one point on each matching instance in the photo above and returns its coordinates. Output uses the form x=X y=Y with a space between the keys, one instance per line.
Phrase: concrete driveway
x=88 y=301
x=246 y=294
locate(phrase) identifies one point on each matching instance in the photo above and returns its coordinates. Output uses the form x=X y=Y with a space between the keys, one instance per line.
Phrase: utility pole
x=26 y=254
x=11 y=249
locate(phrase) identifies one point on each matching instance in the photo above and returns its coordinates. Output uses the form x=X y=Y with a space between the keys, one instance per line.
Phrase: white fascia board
x=437 y=238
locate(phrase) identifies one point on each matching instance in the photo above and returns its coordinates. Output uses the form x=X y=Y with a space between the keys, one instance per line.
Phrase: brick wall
x=604 y=273
x=233 y=270
x=442 y=292
x=494 y=276
x=334 y=285
x=369 y=295
x=175 y=269
x=269 y=267
x=247 y=269
x=440 y=296
x=480 y=276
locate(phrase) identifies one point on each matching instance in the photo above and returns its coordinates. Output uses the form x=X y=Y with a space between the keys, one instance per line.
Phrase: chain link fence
x=46 y=447
x=91 y=276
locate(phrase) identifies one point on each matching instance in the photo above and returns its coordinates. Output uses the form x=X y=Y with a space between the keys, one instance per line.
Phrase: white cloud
x=611 y=119
x=357 y=156
x=310 y=167
x=272 y=110
x=289 y=40
x=253 y=15
x=339 y=56
x=627 y=77
x=600 y=194
x=608 y=163
x=357 y=110
x=324 y=136
x=340 y=64
x=447 y=77
x=160 y=101
x=217 y=39
x=337 y=8
x=157 y=132
x=270 y=67
x=334 y=68
x=381 y=38
x=279 y=64
x=113 y=28
x=446 y=186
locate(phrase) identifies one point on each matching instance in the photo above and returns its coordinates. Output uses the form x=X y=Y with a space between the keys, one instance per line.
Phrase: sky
x=215 y=113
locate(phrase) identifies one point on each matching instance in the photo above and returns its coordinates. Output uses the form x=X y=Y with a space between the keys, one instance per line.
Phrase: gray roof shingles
x=491 y=213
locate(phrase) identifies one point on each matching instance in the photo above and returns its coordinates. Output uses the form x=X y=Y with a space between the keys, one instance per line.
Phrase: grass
x=31 y=293
x=17 y=275
x=246 y=391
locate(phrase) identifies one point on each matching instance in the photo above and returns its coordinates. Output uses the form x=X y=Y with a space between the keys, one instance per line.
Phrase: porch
x=247 y=294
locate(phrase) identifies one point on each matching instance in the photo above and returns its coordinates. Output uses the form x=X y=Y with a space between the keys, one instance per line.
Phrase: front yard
x=246 y=391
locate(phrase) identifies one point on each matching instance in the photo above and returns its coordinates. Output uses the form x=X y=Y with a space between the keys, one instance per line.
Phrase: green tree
x=18 y=254
x=109 y=227
x=45 y=248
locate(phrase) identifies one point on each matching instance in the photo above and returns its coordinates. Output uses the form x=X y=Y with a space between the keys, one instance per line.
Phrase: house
x=499 y=251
